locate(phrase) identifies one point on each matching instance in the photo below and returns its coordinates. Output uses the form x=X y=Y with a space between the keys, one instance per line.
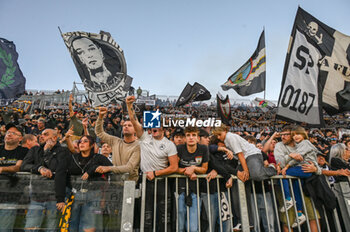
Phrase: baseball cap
x=10 y=125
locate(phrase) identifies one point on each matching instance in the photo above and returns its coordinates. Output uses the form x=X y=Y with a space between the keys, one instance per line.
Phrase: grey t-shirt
x=155 y=153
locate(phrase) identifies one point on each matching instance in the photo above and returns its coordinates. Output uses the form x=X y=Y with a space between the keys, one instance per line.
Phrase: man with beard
x=285 y=152
x=11 y=157
x=125 y=152
x=43 y=160
x=158 y=158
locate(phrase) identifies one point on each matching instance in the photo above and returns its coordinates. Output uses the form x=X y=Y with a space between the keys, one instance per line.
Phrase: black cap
x=10 y=125
x=203 y=133
x=179 y=131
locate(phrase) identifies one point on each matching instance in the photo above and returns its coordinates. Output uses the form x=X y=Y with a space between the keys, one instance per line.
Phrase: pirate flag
x=224 y=109
x=101 y=65
x=316 y=73
x=192 y=93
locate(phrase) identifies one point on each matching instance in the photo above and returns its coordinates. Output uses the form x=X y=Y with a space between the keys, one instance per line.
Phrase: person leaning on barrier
x=11 y=157
x=285 y=152
x=125 y=152
x=43 y=160
x=158 y=158
x=87 y=185
x=248 y=155
x=193 y=160
x=220 y=162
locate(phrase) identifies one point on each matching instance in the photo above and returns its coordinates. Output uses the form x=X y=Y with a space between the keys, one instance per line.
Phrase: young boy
x=248 y=155
x=193 y=160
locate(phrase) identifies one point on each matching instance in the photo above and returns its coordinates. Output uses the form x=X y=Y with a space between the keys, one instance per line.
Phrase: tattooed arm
x=132 y=115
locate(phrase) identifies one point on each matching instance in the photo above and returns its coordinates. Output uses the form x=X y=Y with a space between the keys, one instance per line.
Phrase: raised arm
x=268 y=143
x=99 y=128
x=132 y=115
x=70 y=105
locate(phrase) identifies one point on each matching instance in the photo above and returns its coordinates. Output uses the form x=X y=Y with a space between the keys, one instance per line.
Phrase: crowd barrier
x=28 y=200
x=258 y=205
x=120 y=205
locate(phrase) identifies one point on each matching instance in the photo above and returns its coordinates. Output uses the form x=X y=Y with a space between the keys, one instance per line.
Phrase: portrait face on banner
x=101 y=65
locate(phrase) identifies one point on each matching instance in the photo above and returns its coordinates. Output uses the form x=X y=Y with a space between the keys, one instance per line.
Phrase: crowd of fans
x=83 y=142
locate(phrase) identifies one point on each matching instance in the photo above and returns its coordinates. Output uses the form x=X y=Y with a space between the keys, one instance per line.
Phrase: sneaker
x=238 y=227
x=301 y=219
x=289 y=204
x=272 y=166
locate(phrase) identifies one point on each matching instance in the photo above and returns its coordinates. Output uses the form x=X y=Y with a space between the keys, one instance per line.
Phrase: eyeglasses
x=84 y=141
x=12 y=133
x=285 y=134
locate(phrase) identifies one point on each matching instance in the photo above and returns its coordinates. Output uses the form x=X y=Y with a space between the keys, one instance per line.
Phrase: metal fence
x=255 y=205
x=28 y=201
x=163 y=204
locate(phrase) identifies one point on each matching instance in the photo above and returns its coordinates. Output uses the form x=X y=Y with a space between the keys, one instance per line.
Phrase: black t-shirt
x=10 y=157
x=187 y=159
x=11 y=192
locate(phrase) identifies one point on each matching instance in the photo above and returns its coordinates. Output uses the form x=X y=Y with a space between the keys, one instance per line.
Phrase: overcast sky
x=166 y=43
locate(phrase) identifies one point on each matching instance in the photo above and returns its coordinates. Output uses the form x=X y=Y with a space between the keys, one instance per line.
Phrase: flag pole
x=265 y=66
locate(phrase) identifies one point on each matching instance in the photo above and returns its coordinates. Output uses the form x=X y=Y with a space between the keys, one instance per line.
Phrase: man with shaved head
x=43 y=160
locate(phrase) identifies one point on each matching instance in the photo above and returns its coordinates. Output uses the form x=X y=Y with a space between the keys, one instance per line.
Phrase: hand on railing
x=150 y=175
x=60 y=206
x=45 y=172
x=85 y=176
x=103 y=169
x=189 y=171
x=211 y=175
x=229 y=183
x=243 y=176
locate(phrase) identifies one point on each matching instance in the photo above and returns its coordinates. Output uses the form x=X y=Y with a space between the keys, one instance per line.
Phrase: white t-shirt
x=238 y=144
x=155 y=153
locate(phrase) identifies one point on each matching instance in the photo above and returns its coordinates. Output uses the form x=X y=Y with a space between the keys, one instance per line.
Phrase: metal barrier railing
x=28 y=201
x=255 y=205
x=259 y=204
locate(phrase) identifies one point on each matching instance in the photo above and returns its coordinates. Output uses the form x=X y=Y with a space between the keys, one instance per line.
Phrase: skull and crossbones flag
x=224 y=109
x=101 y=65
x=192 y=93
x=316 y=74
x=250 y=78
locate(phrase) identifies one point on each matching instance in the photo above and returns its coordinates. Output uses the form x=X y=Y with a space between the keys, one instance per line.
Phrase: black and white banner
x=224 y=108
x=316 y=73
x=101 y=65
x=192 y=93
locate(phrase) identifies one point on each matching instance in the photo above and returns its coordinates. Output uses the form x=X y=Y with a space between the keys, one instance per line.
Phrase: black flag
x=192 y=93
x=224 y=109
x=250 y=78
x=101 y=65
x=12 y=82
x=316 y=72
